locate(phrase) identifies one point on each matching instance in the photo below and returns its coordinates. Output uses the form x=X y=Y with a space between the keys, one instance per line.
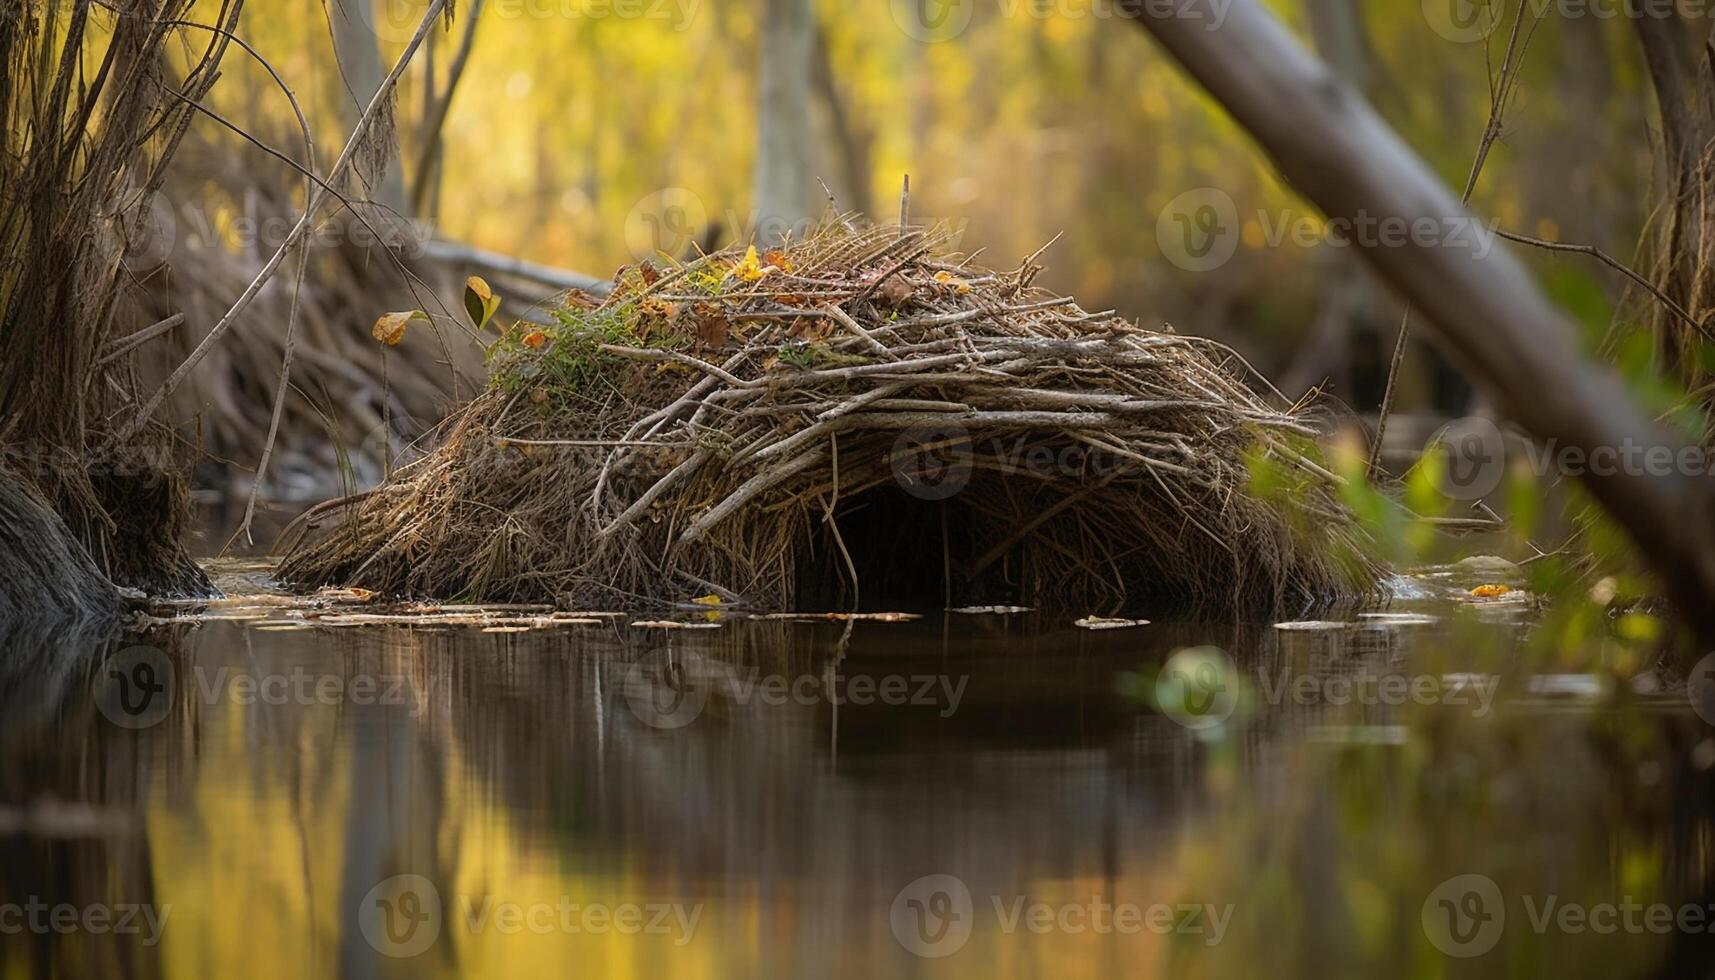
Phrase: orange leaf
x=390 y=328
x=535 y=339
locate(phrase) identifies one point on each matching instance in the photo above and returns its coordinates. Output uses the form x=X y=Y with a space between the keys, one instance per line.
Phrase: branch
x=1618 y=266
x=1485 y=308
x=459 y=254
x=358 y=137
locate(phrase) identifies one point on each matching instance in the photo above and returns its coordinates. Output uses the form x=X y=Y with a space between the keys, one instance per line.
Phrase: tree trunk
x=358 y=53
x=1484 y=308
x=783 y=178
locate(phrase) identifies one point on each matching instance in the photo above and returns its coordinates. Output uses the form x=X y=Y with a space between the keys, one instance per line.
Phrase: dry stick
x=250 y=293
x=833 y=525
x=1616 y=265
x=126 y=345
x=279 y=403
x=846 y=321
x=750 y=488
x=1491 y=132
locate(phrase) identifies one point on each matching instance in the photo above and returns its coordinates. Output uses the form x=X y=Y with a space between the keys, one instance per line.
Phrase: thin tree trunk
x=359 y=55
x=783 y=178
x=1483 y=306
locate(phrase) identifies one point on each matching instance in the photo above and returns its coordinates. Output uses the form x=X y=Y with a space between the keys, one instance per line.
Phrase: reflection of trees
x=515 y=752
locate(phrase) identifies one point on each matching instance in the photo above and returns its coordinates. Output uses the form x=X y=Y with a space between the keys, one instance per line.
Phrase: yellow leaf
x=959 y=285
x=750 y=268
x=390 y=328
x=707 y=600
x=480 y=303
x=1490 y=591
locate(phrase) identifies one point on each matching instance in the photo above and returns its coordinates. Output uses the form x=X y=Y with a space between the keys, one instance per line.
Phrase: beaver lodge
x=854 y=417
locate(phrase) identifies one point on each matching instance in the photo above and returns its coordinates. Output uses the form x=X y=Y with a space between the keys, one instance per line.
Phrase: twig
x=127 y=344
x=358 y=136
x=1498 y=97
x=1616 y=265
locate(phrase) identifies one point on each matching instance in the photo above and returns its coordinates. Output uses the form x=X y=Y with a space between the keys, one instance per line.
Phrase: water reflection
x=993 y=795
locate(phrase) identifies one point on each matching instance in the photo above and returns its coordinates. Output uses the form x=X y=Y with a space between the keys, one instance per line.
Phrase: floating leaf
x=390 y=328
x=1491 y=591
x=480 y=303
x=707 y=600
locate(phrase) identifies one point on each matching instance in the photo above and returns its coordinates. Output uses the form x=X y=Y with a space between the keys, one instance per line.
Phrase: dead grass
x=786 y=428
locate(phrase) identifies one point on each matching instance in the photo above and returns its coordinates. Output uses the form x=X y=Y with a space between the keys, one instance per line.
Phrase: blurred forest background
x=585 y=134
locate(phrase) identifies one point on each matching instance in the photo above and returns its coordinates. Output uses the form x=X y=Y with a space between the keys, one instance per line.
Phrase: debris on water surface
x=1108 y=623
x=1313 y=626
x=989 y=610
x=845 y=617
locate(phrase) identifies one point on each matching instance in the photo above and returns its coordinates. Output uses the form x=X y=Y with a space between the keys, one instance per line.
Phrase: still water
x=263 y=788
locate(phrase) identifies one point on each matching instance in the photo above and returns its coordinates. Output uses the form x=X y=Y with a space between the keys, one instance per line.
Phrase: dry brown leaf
x=390 y=328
